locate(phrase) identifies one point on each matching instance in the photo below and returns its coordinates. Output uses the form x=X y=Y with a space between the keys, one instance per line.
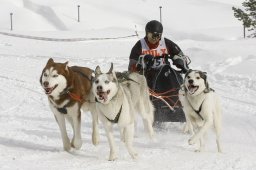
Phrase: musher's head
x=154 y=30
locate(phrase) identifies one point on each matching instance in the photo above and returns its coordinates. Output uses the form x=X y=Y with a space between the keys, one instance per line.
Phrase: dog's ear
x=204 y=76
x=207 y=87
x=92 y=77
x=66 y=65
x=50 y=61
x=111 y=69
x=114 y=76
x=97 y=71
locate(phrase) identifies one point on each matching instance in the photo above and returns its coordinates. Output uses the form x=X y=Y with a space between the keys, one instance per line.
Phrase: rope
x=165 y=98
x=64 y=39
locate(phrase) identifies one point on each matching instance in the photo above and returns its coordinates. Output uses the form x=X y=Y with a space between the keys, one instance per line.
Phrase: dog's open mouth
x=103 y=95
x=192 y=88
x=49 y=90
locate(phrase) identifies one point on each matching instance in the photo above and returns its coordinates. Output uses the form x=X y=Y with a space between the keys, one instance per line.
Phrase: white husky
x=117 y=102
x=201 y=106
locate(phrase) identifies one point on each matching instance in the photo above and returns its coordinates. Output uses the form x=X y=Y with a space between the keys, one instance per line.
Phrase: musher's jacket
x=165 y=46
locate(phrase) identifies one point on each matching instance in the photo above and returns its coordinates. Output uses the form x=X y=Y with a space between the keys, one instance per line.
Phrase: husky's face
x=53 y=78
x=195 y=82
x=105 y=85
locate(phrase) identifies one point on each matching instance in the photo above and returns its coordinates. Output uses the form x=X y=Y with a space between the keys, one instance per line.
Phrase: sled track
x=20 y=83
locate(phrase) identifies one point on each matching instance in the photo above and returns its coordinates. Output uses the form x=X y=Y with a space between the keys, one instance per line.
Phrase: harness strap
x=63 y=110
x=199 y=110
x=117 y=116
x=75 y=96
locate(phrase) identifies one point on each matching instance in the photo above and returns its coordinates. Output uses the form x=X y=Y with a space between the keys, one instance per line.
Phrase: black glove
x=149 y=60
x=181 y=63
x=138 y=66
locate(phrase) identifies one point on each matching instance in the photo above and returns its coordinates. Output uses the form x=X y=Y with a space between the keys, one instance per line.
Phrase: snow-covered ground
x=205 y=30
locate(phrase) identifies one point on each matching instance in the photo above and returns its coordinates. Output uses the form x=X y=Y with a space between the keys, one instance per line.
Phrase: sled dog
x=68 y=90
x=201 y=106
x=117 y=101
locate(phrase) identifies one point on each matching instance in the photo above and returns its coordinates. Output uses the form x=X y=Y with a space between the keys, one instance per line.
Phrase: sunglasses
x=155 y=35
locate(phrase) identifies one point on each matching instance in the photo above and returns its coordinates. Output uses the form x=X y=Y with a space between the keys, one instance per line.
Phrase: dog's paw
x=112 y=157
x=191 y=141
x=151 y=133
x=198 y=150
x=134 y=155
x=67 y=147
x=185 y=128
x=77 y=144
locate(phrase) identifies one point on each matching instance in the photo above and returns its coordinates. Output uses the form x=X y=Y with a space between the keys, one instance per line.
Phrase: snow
x=205 y=30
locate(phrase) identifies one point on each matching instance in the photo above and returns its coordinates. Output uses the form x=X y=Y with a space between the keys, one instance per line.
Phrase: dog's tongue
x=192 y=89
x=103 y=96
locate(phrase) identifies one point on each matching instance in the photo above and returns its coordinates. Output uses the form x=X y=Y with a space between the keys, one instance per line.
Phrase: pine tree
x=248 y=17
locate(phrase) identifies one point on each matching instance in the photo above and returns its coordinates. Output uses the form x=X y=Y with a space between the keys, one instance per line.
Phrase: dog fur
x=202 y=108
x=68 y=91
x=120 y=101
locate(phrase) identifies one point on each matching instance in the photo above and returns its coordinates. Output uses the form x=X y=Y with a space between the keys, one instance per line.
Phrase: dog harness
x=197 y=111
x=62 y=110
x=117 y=116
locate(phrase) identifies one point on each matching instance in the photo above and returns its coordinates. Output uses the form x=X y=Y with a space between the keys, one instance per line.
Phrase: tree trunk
x=244 y=30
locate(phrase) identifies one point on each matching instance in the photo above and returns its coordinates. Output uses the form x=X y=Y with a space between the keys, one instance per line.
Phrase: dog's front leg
x=95 y=128
x=188 y=127
x=129 y=135
x=60 y=119
x=203 y=141
x=207 y=124
x=76 y=141
x=111 y=141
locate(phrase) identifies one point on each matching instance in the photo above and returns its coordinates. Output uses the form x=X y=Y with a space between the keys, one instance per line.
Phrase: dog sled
x=164 y=84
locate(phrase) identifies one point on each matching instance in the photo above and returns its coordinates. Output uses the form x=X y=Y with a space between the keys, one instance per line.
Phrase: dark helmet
x=154 y=27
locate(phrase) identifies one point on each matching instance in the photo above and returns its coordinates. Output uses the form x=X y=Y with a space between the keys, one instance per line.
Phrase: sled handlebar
x=166 y=56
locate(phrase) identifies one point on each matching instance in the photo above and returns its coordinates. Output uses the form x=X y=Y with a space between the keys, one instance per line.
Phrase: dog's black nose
x=190 y=81
x=46 y=84
x=99 y=88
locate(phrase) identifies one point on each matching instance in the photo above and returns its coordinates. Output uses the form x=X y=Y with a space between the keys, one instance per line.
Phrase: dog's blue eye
x=106 y=81
x=45 y=75
x=188 y=77
x=197 y=77
x=55 y=75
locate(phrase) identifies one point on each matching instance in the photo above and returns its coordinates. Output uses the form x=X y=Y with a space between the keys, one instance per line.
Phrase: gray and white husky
x=117 y=101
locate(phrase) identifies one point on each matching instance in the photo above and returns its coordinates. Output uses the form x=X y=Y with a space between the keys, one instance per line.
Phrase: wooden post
x=78 y=13
x=11 y=20
x=160 y=13
x=244 y=30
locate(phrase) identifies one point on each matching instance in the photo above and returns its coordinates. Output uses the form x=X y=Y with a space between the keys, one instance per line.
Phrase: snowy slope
x=205 y=30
